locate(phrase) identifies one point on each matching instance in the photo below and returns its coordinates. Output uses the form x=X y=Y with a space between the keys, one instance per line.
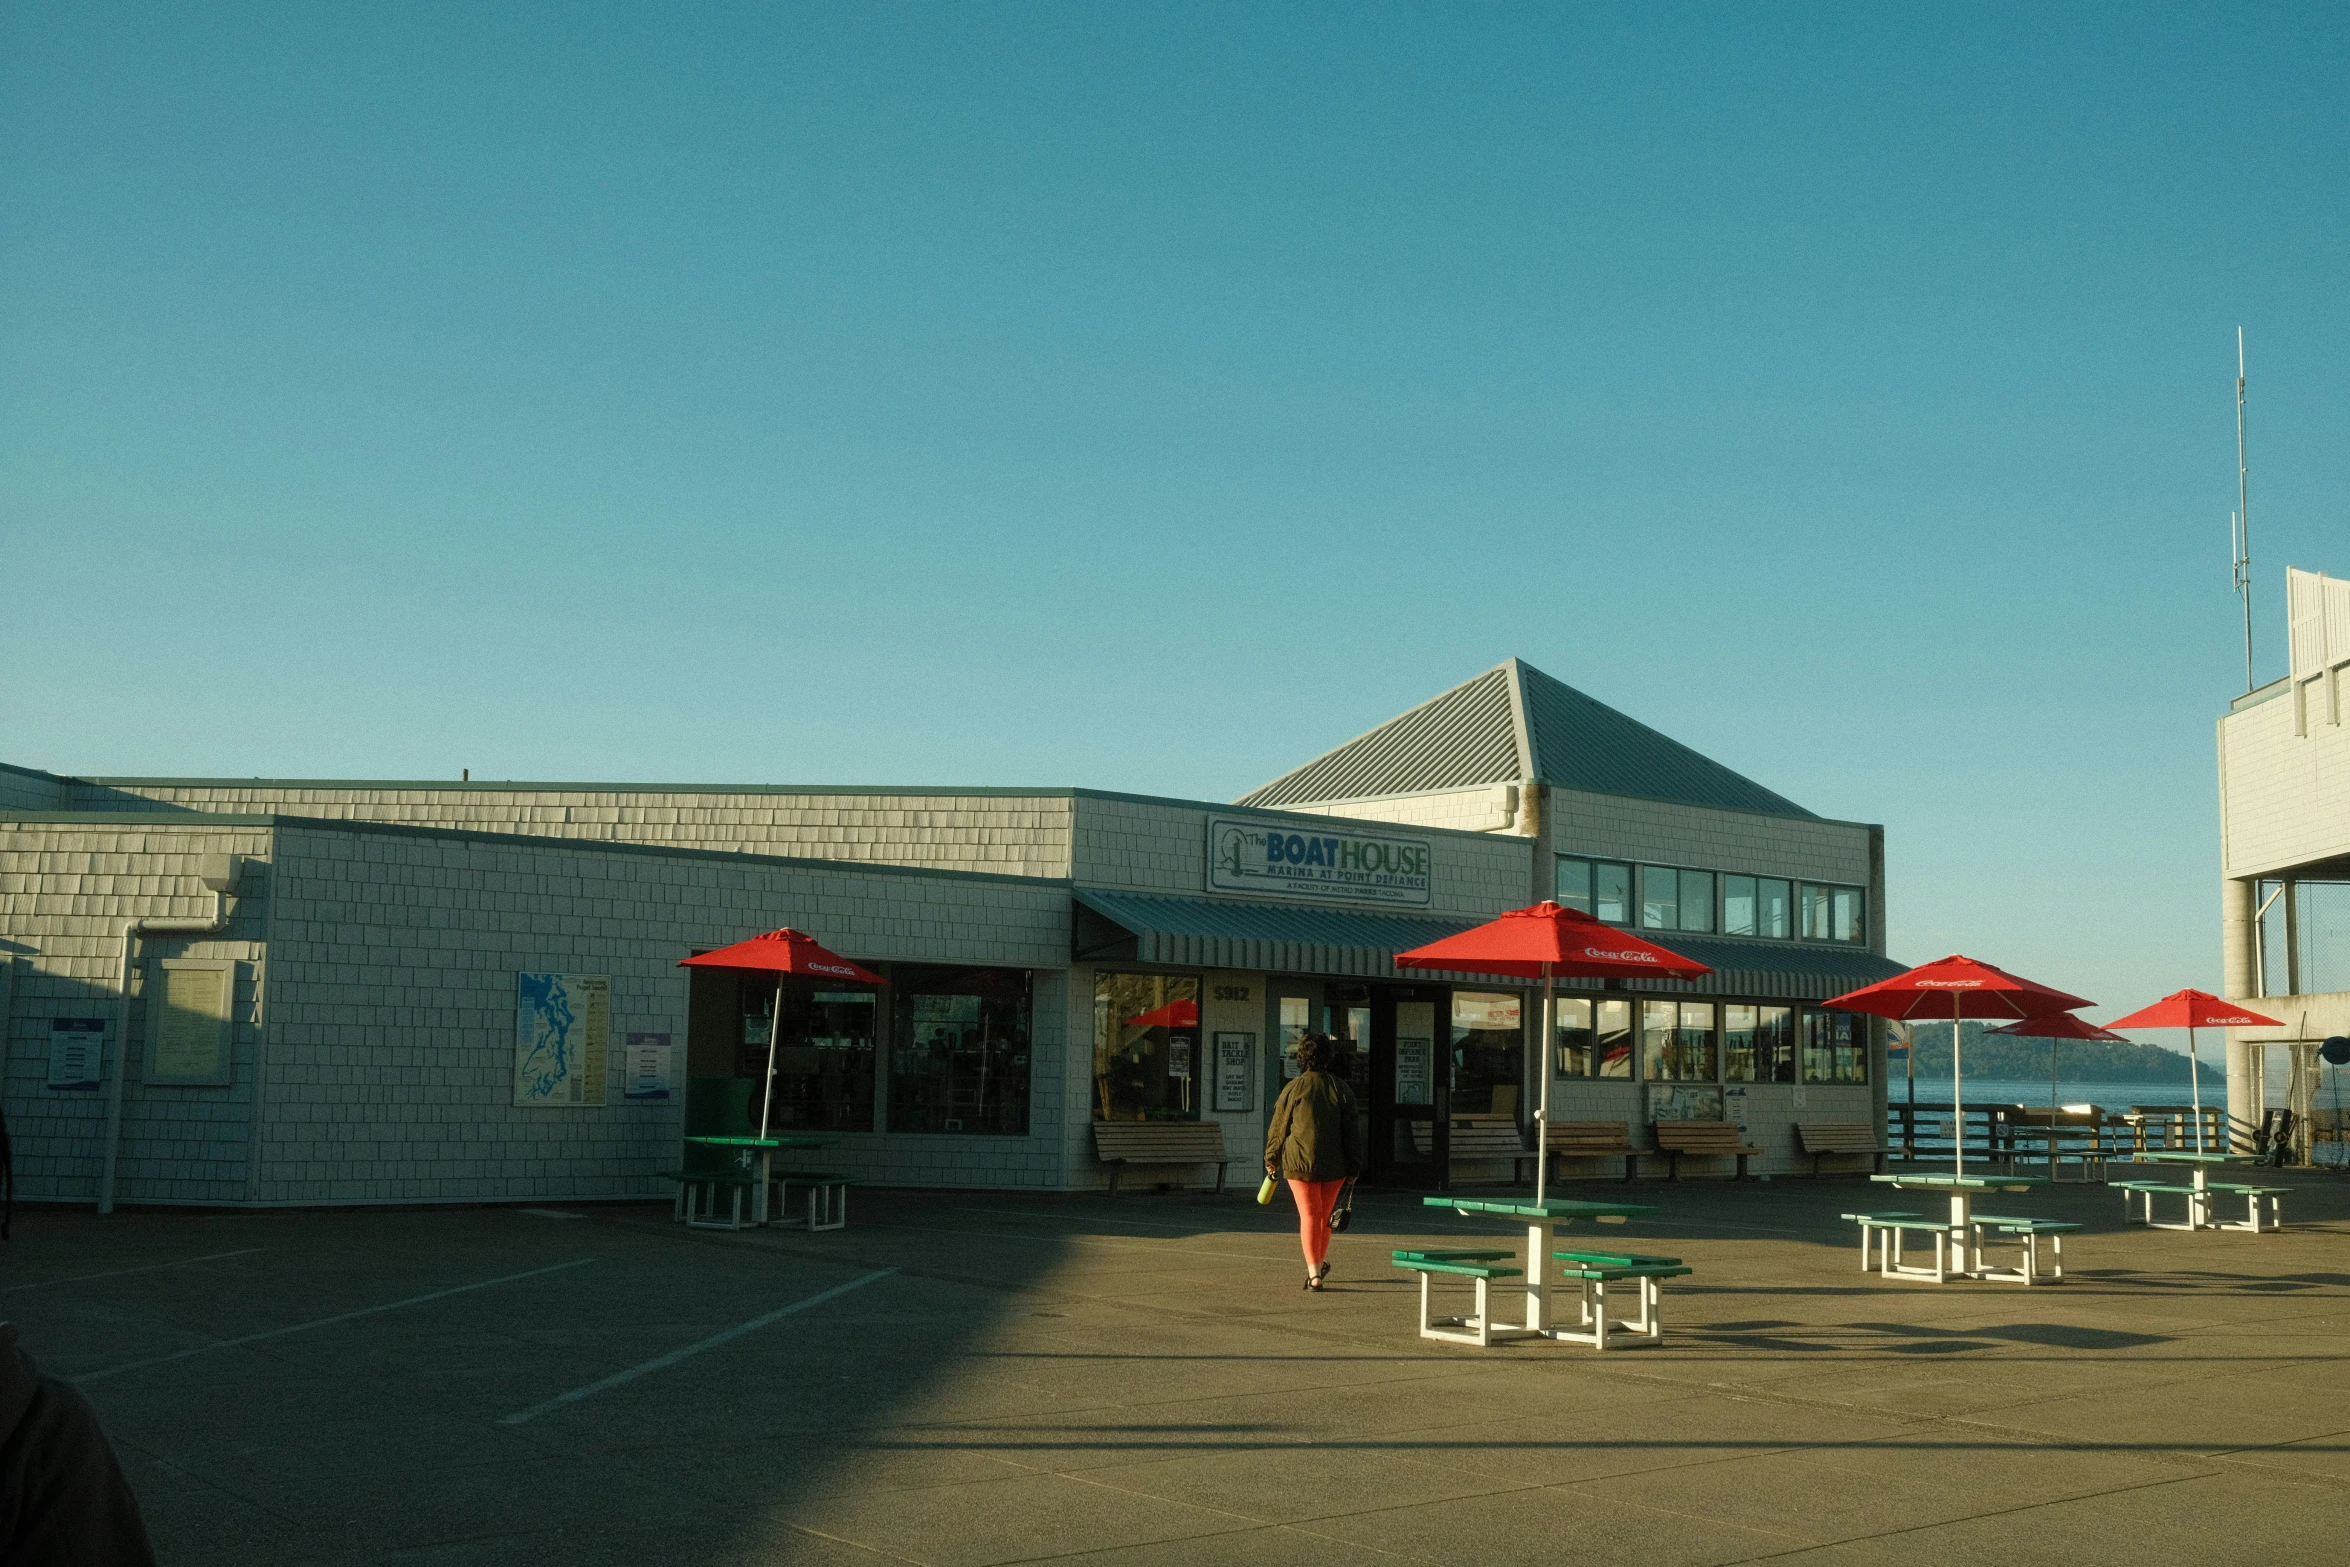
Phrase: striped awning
x=1234 y=933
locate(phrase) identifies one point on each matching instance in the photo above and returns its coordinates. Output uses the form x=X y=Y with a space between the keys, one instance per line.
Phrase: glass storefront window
x=824 y=1054
x=1771 y=900
x=1835 y=1048
x=958 y=1059
x=1573 y=1021
x=1296 y=1019
x=1697 y=900
x=1774 y=1045
x=1738 y=906
x=1738 y=1030
x=1660 y=898
x=1146 y=1046
x=1488 y=1052
x=1677 y=1042
x=1612 y=1037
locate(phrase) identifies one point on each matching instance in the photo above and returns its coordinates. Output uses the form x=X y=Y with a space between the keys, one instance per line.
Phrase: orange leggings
x=1315 y=1200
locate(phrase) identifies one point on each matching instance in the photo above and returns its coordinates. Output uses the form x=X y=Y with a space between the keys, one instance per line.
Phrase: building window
x=1611 y=892
x=1835 y=1048
x=824 y=1055
x=1834 y=913
x=1738 y=906
x=958 y=1059
x=1573 y=1021
x=1758 y=1043
x=1773 y=900
x=1599 y=888
x=1573 y=888
x=1697 y=900
x=1677 y=1042
x=1146 y=1046
x=1660 y=898
x=1611 y=1029
x=1488 y=1052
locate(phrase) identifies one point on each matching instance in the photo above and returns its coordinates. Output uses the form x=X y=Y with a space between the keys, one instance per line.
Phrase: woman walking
x=1317 y=1143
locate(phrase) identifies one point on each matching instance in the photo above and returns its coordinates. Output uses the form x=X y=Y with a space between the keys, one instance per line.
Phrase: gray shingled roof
x=1515 y=722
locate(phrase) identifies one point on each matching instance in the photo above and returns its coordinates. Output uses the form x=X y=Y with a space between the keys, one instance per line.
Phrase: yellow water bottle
x=1265 y=1192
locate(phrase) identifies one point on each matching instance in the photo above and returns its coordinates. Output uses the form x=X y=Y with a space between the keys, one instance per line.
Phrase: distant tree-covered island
x=2002 y=1056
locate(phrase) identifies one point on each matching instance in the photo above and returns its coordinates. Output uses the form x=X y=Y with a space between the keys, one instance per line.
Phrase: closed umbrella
x=1547 y=942
x=785 y=951
x=2191 y=1010
x=1956 y=988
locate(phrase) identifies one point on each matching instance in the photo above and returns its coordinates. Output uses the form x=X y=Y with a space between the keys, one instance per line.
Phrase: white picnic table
x=1961 y=1189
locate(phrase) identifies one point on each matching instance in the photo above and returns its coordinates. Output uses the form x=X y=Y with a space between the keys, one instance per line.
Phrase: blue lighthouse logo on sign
x=1318 y=862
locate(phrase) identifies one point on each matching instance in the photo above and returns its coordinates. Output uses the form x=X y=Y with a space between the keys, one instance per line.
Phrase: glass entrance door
x=1404 y=1088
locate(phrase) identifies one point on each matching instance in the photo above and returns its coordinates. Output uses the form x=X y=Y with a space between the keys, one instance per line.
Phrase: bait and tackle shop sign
x=1260 y=857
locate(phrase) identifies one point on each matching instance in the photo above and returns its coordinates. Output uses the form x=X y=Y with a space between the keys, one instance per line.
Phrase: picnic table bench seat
x=2025 y=1233
x=697 y=1197
x=1889 y=1236
x=1870 y=1226
x=1705 y=1139
x=828 y=1198
x=1481 y=1268
x=1595 y=1271
x=1592 y=1140
x=1822 y=1138
x=1121 y=1143
x=2253 y=1197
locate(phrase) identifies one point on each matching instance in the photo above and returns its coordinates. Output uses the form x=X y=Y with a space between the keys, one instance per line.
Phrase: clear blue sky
x=1150 y=398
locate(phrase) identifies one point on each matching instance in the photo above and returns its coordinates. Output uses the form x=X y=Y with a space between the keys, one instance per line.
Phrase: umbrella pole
x=1542 y=1094
x=1957 y=1095
x=767 y=1089
x=2052 y=1048
x=2195 y=1077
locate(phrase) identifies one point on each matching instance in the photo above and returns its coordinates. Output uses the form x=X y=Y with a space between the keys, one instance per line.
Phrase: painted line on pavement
x=84 y=1278
x=326 y=1322
x=664 y=1362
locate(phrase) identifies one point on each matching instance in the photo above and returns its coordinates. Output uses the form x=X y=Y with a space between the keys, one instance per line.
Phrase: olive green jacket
x=1317 y=1132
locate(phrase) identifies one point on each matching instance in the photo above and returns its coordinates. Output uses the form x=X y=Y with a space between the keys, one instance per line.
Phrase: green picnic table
x=2197 y=1191
x=1961 y=1190
x=765 y=1149
x=1547 y=1216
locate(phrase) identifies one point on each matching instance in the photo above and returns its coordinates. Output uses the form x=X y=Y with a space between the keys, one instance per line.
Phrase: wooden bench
x=1481 y=1268
x=1121 y=1143
x=1595 y=1271
x=828 y=1199
x=2026 y=1234
x=2253 y=1196
x=1480 y=1137
x=1822 y=1138
x=1593 y=1140
x=1873 y=1226
x=1706 y=1139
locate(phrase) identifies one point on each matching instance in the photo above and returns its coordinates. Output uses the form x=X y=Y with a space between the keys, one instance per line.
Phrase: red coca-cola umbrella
x=2191 y=1010
x=1547 y=942
x=1179 y=1013
x=1956 y=988
x=785 y=951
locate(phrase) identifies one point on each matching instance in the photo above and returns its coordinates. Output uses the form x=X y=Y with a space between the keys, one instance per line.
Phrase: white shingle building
x=2284 y=776
x=340 y=988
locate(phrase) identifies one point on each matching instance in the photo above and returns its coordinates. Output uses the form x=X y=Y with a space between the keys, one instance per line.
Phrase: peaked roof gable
x=1515 y=722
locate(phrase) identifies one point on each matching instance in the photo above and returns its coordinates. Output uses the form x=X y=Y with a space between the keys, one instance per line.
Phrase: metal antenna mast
x=2240 y=525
